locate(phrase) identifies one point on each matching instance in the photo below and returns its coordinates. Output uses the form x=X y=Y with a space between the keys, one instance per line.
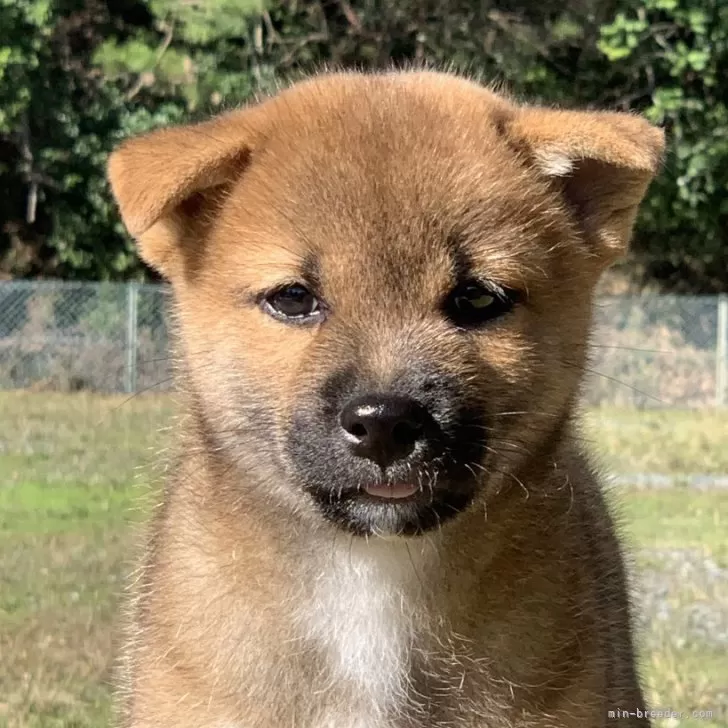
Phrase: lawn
x=74 y=471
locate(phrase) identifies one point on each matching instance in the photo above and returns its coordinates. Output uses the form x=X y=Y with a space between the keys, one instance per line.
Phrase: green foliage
x=210 y=21
x=76 y=76
x=671 y=57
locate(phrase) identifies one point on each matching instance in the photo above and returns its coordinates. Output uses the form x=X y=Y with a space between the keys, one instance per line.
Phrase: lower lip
x=391 y=492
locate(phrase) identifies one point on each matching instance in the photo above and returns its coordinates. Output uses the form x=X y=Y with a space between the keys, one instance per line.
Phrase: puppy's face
x=384 y=283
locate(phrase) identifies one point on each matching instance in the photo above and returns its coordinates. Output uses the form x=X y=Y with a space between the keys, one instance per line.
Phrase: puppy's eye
x=470 y=303
x=293 y=303
x=473 y=297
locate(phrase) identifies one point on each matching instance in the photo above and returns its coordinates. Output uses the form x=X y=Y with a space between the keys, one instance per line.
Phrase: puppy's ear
x=604 y=163
x=163 y=182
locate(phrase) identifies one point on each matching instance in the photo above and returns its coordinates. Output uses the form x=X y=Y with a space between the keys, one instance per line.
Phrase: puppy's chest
x=389 y=657
x=366 y=616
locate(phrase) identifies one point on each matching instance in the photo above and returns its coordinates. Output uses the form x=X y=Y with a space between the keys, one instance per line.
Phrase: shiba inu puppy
x=380 y=516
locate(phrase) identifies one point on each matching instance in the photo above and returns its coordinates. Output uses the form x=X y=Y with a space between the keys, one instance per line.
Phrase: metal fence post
x=130 y=379
x=721 y=353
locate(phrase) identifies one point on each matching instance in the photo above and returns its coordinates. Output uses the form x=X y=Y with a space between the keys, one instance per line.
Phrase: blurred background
x=86 y=392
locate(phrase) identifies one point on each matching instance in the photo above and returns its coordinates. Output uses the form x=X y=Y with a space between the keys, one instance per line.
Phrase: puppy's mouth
x=397 y=507
x=391 y=492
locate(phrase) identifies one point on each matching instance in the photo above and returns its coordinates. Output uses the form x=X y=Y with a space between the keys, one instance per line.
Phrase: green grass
x=677 y=536
x=58 y=439
x=670 y=442
x=679 y=518
x=69 y=470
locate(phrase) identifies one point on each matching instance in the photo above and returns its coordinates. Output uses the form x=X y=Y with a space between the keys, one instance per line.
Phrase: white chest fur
x=366 y=609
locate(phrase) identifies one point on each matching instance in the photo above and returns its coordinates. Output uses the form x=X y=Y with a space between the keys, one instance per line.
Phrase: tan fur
x=254 y=611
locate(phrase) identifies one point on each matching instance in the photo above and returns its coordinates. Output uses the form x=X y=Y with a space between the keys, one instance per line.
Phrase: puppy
x=380 y=516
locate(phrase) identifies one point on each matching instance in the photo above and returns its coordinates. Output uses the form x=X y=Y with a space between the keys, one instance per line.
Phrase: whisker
x=588 y=370
x=526 y=412
x=631 y=348
x=414 y=568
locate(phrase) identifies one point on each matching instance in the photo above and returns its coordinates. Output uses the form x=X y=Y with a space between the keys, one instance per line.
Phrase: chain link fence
x=649 y=351
x=105 y=337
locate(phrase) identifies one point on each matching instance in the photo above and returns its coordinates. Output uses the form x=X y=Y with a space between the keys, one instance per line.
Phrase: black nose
x=383 y=428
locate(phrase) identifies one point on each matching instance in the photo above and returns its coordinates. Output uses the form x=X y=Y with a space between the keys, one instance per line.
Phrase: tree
x=75 y=77
x=669 y=58
x=57 y=124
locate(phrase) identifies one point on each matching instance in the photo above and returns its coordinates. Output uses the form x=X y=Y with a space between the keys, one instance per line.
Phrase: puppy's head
x=384 y=282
